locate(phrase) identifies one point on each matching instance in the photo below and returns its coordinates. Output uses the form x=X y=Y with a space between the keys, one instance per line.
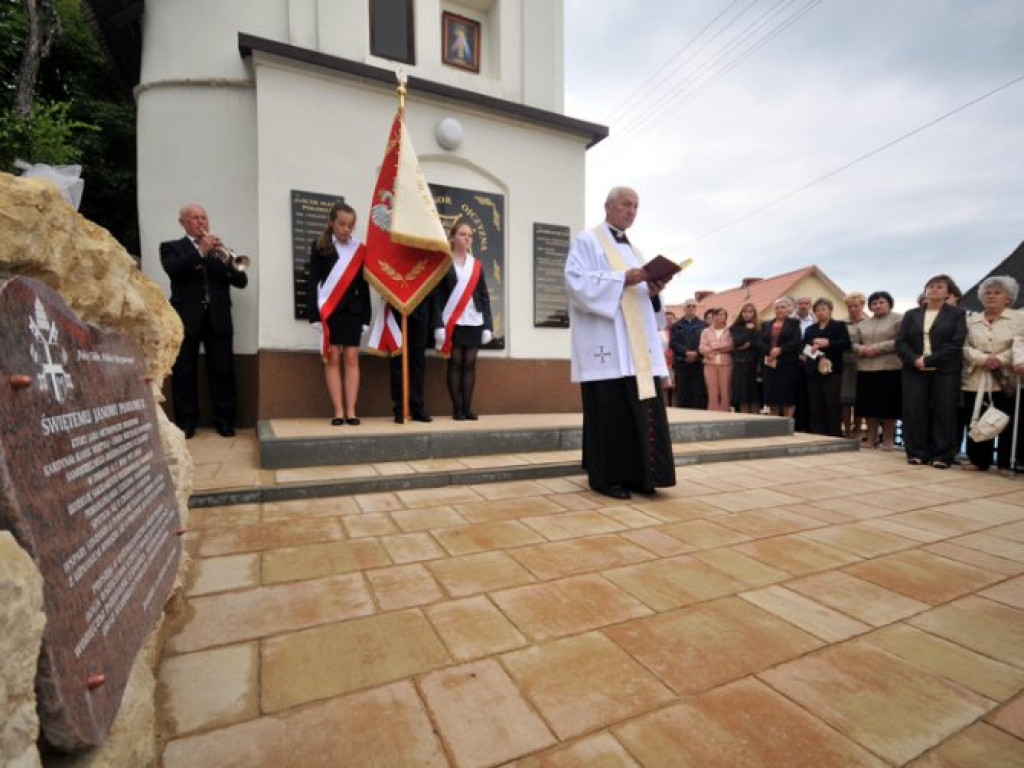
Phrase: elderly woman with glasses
x=779 y=347
x=988 y=365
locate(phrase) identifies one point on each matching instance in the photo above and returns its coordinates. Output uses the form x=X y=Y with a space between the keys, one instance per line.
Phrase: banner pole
x=405 y=367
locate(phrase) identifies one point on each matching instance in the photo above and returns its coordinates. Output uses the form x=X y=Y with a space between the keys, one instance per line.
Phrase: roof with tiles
x=762 y=293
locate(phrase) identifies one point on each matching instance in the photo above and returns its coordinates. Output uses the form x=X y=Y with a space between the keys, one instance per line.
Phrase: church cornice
x=249 y=44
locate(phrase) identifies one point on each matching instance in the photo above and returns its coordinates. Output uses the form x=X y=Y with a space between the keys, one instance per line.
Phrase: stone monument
x=86 y=492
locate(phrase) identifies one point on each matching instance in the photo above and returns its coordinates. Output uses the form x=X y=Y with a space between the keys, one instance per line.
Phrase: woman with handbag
x=988 y=367
x=825 y=343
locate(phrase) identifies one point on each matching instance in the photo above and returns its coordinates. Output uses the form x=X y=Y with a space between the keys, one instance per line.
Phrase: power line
x=638 y=93
x=682 y=96
x=852 y=163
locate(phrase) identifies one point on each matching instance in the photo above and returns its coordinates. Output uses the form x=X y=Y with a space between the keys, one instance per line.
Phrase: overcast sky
x=838 y=80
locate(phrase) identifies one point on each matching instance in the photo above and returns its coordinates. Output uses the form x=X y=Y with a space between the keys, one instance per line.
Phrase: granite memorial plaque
x=309 y=217
x=85 y=490
x=550 y=249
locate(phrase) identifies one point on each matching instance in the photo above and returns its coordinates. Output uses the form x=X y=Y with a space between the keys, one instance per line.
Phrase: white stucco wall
x=311 y=121
x=237 y=135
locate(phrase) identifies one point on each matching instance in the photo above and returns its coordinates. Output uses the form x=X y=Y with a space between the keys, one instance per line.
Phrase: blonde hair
x=856 y=296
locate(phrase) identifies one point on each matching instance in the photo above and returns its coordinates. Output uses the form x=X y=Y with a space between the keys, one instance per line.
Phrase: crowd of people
x=859 y=378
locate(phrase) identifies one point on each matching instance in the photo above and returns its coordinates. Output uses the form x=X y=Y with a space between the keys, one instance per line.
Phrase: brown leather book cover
x=660 y=268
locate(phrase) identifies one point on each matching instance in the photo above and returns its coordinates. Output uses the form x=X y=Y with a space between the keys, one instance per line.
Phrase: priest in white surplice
x=617 y=355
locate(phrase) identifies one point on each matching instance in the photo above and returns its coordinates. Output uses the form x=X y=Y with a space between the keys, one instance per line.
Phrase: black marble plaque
x=85 y=490
x=485 y=212
x=550 y=249
x=309 y=217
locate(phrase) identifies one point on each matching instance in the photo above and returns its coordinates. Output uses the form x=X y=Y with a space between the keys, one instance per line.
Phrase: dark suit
x=200 y=293
x=825 y=410
x=684 y=336
x=420 y=324
x=780 y=382
x=931 y=397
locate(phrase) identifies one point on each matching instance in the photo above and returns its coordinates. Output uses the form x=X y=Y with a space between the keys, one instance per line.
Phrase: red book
x=660 y=268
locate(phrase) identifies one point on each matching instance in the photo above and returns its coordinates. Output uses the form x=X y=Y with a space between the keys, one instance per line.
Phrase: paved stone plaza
x=839 y=609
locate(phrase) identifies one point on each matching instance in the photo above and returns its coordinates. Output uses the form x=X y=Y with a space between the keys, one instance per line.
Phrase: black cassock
x=626 y=440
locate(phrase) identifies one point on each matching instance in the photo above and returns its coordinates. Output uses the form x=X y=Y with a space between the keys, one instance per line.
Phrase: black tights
x=462 y=377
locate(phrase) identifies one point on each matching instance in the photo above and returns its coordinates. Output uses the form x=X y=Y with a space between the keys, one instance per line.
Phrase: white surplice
x=600 y=342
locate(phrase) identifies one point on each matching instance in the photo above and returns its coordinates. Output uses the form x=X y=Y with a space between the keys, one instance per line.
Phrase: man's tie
x=619 y=236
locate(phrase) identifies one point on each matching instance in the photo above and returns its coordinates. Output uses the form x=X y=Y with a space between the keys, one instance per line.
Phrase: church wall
x=237 y=134
x=326 y=134
x=198 y=144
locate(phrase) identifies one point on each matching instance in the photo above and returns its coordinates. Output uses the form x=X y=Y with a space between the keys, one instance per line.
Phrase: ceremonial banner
x=407 y=249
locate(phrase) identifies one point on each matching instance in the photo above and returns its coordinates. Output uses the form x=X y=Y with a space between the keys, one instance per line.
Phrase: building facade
x=248 y=106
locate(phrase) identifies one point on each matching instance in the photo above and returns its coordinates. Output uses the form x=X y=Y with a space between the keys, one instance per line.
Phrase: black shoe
x=470 y=416
x=353 y=422
x=336 y=422
x=615 y=491
x=226 y=431
x=399 y=420
x=457 y=416
x=422 y=416
x=190 y=432
x=643 y=491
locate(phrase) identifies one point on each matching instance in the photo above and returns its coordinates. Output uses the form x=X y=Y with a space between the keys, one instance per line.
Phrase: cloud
x=841 y=82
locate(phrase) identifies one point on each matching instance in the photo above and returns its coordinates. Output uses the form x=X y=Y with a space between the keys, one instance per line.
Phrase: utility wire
x=852 y=163
x=684 y=95
x=638 y=93
x=699 y=69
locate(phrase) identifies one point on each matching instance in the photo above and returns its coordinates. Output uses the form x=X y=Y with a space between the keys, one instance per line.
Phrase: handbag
x=985 y=426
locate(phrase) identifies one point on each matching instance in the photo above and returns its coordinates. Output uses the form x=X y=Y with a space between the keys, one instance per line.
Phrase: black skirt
x=468 y=336
x=879 y=394
x=780 y=383
x=346 y=329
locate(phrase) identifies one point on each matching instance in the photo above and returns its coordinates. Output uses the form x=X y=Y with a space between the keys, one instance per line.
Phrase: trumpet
x=228 y=257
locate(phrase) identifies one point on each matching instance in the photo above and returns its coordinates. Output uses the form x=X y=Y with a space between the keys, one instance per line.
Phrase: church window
x=392 y=30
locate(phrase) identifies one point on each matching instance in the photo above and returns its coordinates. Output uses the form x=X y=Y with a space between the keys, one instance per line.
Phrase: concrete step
x=293 y=443
x=317 y=480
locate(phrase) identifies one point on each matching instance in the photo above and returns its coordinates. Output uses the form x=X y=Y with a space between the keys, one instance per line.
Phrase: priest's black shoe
x=457 y=416
x=616 y=492
x=225 y=431
x=190 y=432
x=422 y=416
x=470 y=416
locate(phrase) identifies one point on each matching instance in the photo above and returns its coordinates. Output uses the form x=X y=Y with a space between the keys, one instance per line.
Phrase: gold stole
x=633 y=313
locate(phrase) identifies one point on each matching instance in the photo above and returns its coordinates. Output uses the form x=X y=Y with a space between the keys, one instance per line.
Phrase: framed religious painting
x=460 y=42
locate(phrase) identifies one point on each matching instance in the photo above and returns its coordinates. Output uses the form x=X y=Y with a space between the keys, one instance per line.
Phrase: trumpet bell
x=242 y=263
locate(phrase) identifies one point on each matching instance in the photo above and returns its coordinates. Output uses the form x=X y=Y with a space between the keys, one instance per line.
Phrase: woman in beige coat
x=878 y=370
x=988 y=363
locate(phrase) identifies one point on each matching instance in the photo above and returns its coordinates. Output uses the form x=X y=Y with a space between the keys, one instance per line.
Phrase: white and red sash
x=459 y=300
x=337 y=282
x=385 y=336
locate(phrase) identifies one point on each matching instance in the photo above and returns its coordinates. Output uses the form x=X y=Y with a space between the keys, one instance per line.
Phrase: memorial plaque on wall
x=550 y=249
x=85 y=490
x=309 y=217
x=485 y=212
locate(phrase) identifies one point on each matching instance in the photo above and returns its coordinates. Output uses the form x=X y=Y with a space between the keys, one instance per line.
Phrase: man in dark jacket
x=201 y=276
x=684 y=338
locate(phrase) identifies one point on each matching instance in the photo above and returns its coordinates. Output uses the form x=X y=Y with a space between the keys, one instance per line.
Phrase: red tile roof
x=762 y=293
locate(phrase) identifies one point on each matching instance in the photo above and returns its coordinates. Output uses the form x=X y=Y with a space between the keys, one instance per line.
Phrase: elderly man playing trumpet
x=202 y=271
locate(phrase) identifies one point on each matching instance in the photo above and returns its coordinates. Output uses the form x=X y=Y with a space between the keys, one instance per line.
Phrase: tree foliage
x=81 y=113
